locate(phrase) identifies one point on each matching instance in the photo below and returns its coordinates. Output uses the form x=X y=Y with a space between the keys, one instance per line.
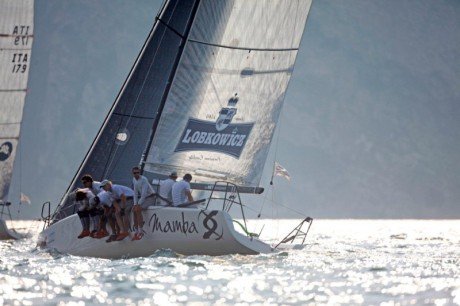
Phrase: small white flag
x=281 y=171
x=24 y=199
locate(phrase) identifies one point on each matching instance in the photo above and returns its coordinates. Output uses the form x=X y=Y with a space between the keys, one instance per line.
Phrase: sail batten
x=242 y=48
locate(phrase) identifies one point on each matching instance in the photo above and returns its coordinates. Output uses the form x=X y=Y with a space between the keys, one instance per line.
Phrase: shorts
x=149 y=201
x=96 y=211
x=129 y=205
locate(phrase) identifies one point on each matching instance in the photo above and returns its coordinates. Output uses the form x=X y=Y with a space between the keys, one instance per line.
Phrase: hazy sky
x=370 y=127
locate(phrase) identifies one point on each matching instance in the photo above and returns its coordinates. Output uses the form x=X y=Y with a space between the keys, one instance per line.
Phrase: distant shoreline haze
x=370 y=126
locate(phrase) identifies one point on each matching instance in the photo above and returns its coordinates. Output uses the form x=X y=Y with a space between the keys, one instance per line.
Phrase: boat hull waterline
x=187 y=231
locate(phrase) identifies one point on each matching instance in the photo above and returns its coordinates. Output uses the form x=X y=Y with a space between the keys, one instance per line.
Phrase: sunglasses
x=136 y=173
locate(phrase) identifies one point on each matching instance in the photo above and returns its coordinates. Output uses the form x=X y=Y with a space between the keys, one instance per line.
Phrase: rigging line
x=243 y=48
x=140 y=90
x=170 y=28
x=276 y=203
x=13 y=90
x=293 y=210
x=273 y=168
x=263 y=204
x=248 y=207
x=133 y=116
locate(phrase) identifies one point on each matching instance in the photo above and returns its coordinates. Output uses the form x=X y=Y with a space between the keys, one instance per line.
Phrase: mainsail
x=221 y=112
x=16 y=36
x=204 y=94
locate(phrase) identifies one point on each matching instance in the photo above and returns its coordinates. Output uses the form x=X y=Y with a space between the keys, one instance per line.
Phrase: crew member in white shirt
x=95 y=212
x=122 y=198
x=83 y=196
x=166 y=187
x=181 y=192
x=144 y=196
x=99 y=214
x=105 y=200
x=88 y=182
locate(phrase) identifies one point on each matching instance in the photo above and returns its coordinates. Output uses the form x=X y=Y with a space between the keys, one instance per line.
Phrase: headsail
x=222 y=109
x=16 y=36
x=122 y=139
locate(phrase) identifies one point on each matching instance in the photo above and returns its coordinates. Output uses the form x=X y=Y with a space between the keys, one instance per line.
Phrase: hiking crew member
x=181 y=193
x=83 y=197
x=98 y=217
x=105 y=200
x=144 y=196
x=122 y=198
x=96 y=212
x=166 y=187
x=88 y=182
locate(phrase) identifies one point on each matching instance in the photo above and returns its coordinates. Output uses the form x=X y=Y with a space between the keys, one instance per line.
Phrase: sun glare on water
x=384 y=262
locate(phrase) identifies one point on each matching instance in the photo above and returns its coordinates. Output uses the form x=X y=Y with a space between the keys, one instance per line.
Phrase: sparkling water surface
x=383 y=262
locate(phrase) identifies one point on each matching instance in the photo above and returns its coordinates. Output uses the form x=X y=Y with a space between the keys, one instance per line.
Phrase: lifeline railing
x=46 y=218
x=230 y=197
x=297 y=233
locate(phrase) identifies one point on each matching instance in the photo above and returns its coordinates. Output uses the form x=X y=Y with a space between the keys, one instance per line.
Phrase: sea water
x=382 y=262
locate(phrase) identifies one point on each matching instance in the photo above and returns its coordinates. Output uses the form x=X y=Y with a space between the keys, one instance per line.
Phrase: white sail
x=227 y=94
x=16 y=35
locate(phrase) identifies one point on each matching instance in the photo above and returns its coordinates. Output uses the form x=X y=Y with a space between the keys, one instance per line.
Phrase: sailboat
x=16 y=36
x=203 y=97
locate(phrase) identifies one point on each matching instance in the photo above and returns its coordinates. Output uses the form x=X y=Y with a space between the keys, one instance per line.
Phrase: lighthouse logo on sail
x=219 y=136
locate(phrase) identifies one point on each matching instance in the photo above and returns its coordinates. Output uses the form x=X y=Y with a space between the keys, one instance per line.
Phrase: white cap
x=104 y=182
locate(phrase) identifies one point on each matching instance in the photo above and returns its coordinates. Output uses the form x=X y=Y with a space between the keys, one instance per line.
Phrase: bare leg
x=135 y=218
x=109 y=217
x=141 y=219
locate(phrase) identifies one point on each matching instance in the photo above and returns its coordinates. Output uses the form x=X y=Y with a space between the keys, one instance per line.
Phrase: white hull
x=6 y=234
x=187 y=231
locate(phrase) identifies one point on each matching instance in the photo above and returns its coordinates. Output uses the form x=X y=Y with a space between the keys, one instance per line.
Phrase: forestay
x=16 y=36
x=227 y=94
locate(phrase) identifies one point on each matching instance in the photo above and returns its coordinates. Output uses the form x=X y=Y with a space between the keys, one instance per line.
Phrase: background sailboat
x=203 y=97
x=16 y=36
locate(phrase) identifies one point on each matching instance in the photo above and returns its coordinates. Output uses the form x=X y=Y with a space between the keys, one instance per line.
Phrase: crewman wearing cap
x=122 y=198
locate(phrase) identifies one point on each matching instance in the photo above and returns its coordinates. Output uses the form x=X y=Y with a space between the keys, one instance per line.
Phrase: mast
x=170 y=81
